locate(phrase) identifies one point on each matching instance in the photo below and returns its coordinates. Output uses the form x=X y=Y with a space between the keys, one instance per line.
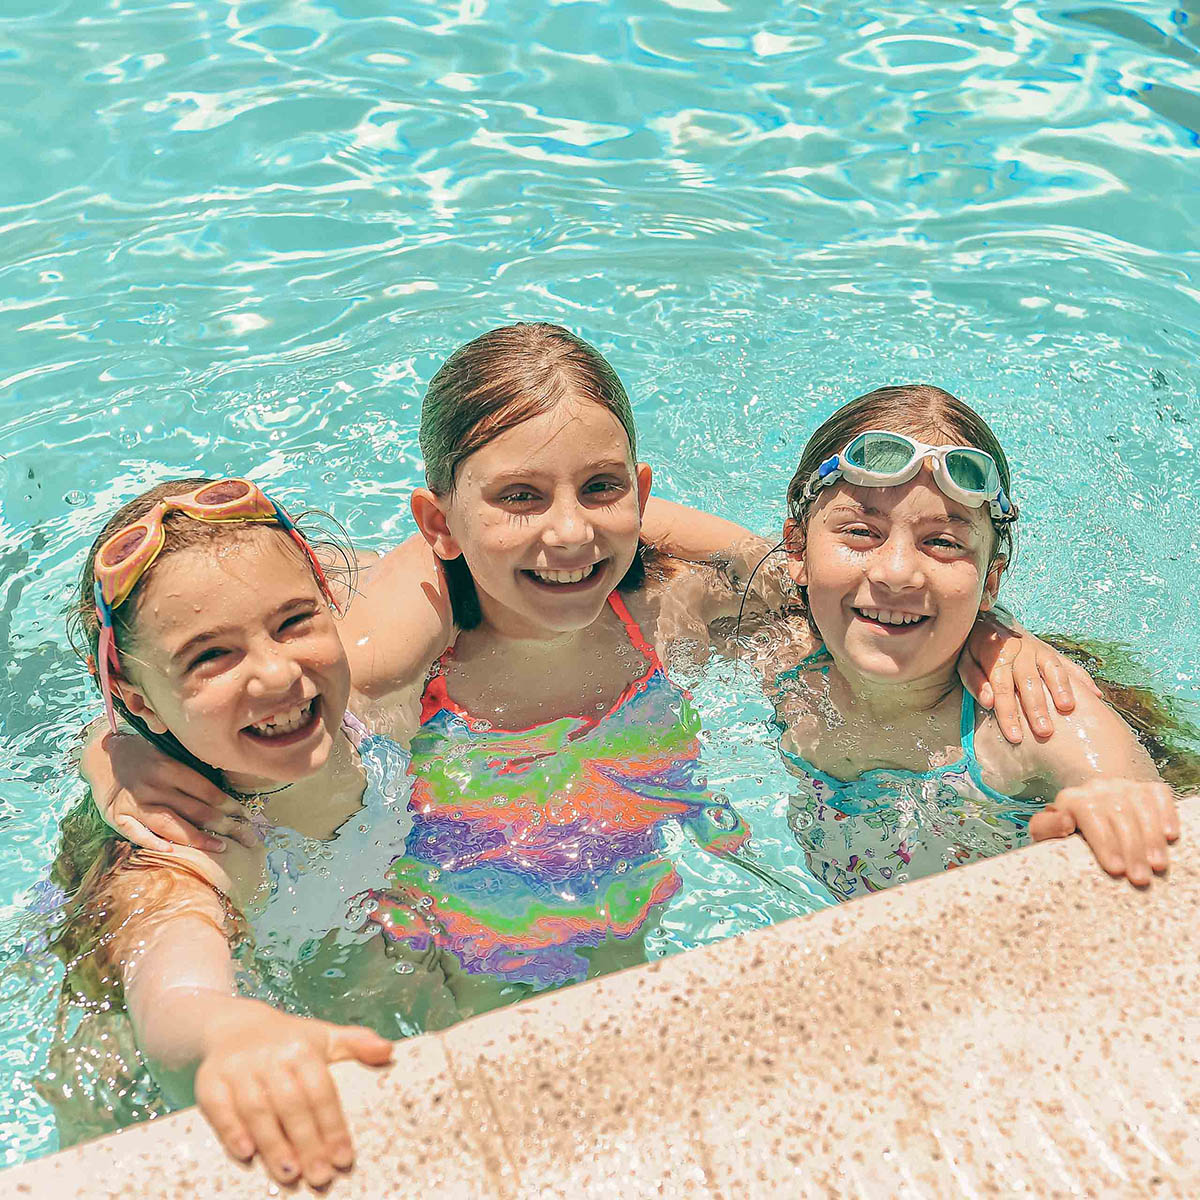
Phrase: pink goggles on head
x=127 y=554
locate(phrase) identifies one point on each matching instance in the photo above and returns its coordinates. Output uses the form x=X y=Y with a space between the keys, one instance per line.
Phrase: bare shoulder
x=400 y=620
x=1091 y=741
x=1011 y=770
x=200 y=878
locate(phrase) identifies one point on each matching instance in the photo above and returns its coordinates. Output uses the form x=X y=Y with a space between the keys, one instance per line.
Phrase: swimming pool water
x=239 y=237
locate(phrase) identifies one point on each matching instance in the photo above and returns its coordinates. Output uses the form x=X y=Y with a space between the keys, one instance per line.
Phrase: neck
x=513 y=631
x=325 y=778
x=884 y=700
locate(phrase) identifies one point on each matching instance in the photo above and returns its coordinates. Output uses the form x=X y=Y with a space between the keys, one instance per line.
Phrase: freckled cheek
x=833 y=566
x=500 y=537
x=626 y=521
x=962 y=587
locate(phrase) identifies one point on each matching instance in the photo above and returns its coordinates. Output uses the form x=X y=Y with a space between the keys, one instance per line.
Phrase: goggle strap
x=106 y=649
x=318 y=570
x=287 y=523
x=826 y=474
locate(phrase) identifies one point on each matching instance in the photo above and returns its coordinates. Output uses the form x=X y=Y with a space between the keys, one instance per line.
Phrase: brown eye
x=604 y=487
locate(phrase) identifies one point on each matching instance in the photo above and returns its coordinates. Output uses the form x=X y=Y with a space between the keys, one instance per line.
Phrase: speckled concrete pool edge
x=1024 y=1026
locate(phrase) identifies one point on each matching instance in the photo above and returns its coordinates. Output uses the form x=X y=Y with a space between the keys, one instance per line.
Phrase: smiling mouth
x=286 y=727
x=893 y=622
x=565 y=579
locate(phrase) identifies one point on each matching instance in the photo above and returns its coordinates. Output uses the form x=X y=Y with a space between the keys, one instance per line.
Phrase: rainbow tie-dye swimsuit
x=530 y=847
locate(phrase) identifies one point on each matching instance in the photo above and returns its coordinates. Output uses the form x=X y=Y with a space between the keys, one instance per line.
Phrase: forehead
x=227 y=582
x=561 y=440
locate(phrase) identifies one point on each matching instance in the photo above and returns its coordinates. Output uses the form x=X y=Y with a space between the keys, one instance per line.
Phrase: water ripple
x=242 y=237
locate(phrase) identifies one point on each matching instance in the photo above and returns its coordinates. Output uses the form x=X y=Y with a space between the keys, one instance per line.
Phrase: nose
x=896 y=565
x=272 y=671
x=568 y=524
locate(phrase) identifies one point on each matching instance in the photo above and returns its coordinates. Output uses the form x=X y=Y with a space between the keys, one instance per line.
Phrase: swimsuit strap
x=966 y=725
x=436 y=696
x=633 y=630
x=966 y=737
x=354 y=729
x=819 y=655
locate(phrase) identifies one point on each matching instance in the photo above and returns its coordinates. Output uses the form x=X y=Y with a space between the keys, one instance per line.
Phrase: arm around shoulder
x=400 y=620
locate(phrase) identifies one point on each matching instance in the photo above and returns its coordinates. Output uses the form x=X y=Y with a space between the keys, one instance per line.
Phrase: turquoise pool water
x=240 y=237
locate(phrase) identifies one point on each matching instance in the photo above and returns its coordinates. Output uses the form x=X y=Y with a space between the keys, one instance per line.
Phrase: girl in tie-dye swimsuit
x=533 y=849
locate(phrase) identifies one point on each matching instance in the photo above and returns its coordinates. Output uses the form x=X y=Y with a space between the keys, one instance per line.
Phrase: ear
x=645 y=477
x=138 y=705
x=429 y=512
x=991 y=585
x=793 y=542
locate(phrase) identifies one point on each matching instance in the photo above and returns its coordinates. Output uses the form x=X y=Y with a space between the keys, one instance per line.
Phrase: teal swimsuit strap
x=817 y=656
x=966 y=738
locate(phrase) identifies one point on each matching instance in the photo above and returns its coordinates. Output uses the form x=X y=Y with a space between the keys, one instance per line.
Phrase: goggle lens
x=880 y=453
x=973 y=471
x=224 y=491
x=126 y=545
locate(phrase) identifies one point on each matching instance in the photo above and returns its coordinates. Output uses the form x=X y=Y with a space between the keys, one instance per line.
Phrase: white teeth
x=287 y=722
x=887 y=617
x=565 y=576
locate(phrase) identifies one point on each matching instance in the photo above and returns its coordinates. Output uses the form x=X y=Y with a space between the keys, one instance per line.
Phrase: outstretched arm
x=745 y=570
x=400 y=620
x=260 y=1077
x=693 y=535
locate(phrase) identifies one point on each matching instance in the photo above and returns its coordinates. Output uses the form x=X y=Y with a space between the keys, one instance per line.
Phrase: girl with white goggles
x=880 y=458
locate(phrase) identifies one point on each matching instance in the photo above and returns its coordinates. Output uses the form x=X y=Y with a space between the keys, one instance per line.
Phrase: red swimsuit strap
x=436 y=696
x=632 y=629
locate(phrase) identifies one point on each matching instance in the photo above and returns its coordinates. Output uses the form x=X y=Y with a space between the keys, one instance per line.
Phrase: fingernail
x=215 y=846
x=288 y=1169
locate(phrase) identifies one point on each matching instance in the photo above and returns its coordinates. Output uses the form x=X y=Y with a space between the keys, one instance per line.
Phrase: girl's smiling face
x=896 y=577
x=547 y=517
x=235 y=652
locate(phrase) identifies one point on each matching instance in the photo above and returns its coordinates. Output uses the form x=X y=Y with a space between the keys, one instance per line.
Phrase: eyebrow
x=592 y=468
x=867 y=510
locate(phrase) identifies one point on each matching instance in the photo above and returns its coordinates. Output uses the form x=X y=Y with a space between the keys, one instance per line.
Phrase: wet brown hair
x=494 y=383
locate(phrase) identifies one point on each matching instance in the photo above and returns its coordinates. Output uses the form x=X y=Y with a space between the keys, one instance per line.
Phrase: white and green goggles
x=880 y=458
